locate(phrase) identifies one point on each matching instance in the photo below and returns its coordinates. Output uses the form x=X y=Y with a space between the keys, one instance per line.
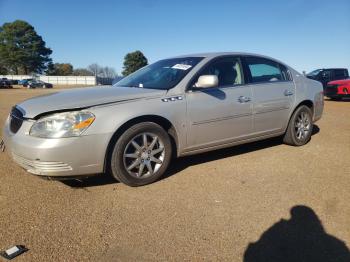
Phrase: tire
x=130 y=165
x=299 y=128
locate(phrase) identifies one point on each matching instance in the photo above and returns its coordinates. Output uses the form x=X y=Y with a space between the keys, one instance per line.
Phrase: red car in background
x=338 y=89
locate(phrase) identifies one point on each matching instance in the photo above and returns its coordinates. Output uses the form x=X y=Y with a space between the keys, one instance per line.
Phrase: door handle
x=243 y=99
x=288 y=92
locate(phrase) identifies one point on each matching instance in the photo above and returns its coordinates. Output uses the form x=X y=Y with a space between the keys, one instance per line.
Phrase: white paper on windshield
x=182 y=66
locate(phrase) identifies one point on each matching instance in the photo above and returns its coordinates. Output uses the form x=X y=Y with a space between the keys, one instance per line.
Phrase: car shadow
x=301 y=238
x=180 y=164
x=91 y=181
x=345 y=99
x=215 y=92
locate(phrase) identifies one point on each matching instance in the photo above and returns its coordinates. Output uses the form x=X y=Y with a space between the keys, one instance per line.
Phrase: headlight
x=62 y=124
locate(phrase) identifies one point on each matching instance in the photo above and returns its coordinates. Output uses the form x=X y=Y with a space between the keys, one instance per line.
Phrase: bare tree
x=108 y=72
x=82 y=72
x=95 y=69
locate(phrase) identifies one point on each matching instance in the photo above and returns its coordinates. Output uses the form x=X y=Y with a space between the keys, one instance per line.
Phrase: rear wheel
x=141 y=155
x=300 y=127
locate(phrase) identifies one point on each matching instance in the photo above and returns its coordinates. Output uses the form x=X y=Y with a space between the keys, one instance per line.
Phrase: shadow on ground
x=344 y=99
x=182 y=163
x=301 y=238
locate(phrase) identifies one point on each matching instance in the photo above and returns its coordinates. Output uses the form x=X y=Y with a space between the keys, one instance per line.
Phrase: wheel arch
x=306 y=102
x=162 y=121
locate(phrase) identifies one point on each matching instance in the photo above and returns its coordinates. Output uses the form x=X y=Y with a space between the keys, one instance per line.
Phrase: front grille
x=16 y=120
x=331 y=90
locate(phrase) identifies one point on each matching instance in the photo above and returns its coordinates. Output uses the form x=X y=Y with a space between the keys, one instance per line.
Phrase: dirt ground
x=264 y=201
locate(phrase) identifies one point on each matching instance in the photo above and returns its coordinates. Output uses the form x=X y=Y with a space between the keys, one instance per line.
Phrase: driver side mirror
x=207 y=81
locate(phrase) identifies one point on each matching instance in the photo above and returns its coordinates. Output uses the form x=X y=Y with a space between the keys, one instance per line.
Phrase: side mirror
x=206 y=81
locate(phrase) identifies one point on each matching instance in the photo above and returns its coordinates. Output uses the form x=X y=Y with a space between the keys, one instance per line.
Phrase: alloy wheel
x=302 y=125
x=144 y=155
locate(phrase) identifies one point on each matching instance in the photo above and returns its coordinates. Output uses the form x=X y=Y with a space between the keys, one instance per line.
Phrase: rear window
x=265 y=70
x=340 y=73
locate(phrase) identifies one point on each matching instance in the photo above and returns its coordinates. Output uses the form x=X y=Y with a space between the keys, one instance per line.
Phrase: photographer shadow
x=301 y=238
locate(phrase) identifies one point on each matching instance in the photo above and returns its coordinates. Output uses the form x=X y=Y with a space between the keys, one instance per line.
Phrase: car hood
x=79 y=98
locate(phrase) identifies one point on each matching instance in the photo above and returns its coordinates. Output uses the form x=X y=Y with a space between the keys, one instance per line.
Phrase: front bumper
x=63 y=157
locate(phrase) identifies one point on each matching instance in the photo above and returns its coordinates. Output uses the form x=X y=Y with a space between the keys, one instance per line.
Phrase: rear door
x=273 y=94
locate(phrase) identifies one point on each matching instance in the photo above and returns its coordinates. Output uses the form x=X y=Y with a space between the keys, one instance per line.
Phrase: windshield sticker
x=182 y=66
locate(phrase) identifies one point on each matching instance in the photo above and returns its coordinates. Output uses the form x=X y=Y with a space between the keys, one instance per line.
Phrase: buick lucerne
x=171 y=108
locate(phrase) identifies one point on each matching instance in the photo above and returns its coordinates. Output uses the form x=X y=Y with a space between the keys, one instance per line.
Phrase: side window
x=265 y=70
x=227 y=69
x=340 y=74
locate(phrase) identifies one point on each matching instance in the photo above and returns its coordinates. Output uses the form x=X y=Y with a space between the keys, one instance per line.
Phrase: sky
x=305 y=34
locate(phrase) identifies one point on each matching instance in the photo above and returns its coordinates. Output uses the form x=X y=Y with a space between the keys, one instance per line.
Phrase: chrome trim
x=172 y=99
x=288 y=93
x=271 y=110
x=220 y=119
x=37 y=167
x=243 y=99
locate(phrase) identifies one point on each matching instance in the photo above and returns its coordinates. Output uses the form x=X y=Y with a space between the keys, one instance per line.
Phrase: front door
x=222 y=114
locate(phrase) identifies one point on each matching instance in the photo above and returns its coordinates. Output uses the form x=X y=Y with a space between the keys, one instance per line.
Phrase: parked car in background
x=326 y=75
x=13 y=82
x=24 y=82
x=5 y=83
x=336 y=90
x=175 y=107
x=38 y=84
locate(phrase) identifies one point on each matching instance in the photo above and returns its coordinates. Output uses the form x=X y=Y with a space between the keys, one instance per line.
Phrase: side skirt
x=230 y=144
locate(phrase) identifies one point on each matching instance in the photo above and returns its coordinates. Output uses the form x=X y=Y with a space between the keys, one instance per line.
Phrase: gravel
x=210 y=207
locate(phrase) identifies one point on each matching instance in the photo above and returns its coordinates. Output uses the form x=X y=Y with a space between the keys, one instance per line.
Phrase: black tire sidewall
x=117 y=162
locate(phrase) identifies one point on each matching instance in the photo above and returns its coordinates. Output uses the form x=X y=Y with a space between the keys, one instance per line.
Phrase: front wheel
x=300 y=126
x=141 y=155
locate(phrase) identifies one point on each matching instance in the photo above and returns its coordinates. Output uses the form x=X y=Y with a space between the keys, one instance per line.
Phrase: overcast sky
x=304 y=34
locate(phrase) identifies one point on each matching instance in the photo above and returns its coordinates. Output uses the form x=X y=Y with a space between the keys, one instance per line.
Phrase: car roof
x=218 y=54
x=334 y=68
x=215 y=54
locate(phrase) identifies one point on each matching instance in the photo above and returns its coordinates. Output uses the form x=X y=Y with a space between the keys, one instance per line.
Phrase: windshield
x=315 y=72
x=164 y=74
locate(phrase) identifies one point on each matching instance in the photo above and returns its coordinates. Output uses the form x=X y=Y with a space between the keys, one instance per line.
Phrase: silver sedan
x=174 y=107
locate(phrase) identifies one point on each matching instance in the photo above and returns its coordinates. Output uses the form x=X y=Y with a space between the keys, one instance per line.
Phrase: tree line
x=66 y=69
x=23 y=51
